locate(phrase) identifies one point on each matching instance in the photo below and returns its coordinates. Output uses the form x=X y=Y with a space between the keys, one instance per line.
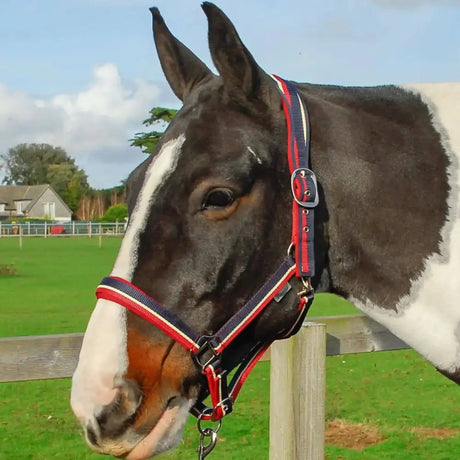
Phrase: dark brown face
x=207 y=212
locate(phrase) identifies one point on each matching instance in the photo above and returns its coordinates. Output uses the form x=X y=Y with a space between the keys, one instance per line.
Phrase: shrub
x=116 y=212
x=7 y=270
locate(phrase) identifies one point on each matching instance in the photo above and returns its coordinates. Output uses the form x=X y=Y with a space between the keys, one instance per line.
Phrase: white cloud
x=91 y=125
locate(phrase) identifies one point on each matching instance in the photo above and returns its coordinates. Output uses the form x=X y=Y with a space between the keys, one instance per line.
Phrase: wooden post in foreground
x=297 y=395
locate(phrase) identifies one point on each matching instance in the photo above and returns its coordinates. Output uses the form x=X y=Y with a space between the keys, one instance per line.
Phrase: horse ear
x=183 y=70
x=240 y=72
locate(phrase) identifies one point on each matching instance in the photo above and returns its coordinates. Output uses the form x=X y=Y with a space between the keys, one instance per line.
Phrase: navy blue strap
x=257 y=303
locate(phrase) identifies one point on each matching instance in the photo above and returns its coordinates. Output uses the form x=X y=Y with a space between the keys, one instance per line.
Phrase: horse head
x=209 y=221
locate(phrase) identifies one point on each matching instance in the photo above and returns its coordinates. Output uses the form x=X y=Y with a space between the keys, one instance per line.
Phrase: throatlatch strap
x=303 y=180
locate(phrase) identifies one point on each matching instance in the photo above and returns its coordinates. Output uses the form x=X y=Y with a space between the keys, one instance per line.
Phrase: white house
x=39 y=201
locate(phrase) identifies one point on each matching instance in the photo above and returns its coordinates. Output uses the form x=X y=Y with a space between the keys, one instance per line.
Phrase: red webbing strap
x=131 y=297
x=303 y=180
x=246 y=369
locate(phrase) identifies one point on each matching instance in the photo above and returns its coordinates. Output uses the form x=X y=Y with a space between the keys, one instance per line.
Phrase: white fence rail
x=74 y=228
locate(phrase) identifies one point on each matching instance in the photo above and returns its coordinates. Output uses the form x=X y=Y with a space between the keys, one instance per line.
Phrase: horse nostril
x=130 y=397
x=117 y=416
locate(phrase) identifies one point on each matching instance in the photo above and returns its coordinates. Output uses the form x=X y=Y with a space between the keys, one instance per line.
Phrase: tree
x=69 y=182
x=33 y=164
x=160 y=118
x=27 y=164
x=94 y=202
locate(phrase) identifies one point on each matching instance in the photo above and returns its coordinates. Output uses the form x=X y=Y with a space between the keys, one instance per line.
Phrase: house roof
x=30 y=193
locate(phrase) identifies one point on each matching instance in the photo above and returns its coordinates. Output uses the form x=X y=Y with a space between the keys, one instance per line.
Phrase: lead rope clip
x=205 y=449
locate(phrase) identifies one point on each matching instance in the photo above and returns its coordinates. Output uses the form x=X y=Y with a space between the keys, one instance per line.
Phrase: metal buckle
x=305 y=172
x=307 y=290
x=206 y=354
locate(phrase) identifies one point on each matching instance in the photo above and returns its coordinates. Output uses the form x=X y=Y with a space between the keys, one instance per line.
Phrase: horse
x=211 y=222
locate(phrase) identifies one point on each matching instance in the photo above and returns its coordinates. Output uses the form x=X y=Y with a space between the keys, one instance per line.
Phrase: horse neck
x=369 y=209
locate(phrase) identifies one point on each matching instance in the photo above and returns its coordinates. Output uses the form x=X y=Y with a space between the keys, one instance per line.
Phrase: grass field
x=381 y=405
x=54 y=287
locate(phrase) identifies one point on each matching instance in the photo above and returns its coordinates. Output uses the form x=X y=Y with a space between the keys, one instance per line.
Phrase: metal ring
x=205 y=431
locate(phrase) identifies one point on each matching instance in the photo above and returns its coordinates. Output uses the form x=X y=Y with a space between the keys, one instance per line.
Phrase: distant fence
x=73 y=228
x=297 y=380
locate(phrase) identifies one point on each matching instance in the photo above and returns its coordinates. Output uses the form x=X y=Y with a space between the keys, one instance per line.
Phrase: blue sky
x=83 y=74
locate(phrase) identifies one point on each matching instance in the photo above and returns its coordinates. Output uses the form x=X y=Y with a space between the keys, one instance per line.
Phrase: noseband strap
x=207 y=351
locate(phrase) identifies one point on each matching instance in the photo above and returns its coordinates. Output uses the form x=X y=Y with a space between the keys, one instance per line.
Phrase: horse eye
x=219 y=198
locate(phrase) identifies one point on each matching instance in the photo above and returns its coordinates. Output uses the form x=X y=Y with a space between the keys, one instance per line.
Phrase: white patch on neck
x=103 y=359
x=251 y=151
x=428 y=319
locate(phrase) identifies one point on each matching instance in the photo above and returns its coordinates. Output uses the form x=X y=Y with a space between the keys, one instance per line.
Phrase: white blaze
x=103 y=358
x=160 y=168
x=428 y=319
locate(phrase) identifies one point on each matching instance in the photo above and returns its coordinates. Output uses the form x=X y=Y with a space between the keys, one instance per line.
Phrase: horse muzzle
x=113 y=430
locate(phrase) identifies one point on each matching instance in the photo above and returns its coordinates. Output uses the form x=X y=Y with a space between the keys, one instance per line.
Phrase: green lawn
x=396 y=392
x=53 y=291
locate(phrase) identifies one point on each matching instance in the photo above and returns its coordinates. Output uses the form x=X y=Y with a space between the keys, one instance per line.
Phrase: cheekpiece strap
x=303 y=180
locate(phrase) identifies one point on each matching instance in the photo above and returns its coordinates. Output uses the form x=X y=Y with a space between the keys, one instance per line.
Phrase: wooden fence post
x=297 y=395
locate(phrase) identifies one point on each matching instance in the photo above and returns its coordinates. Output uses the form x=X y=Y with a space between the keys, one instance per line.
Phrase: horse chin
x=166 y=434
